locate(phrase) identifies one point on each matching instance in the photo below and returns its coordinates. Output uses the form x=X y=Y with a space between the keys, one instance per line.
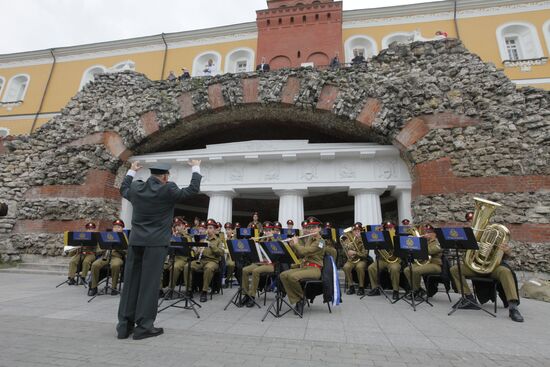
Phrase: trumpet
x=302 y=236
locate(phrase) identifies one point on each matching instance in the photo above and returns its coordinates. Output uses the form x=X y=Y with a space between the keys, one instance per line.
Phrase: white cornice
x=27 y=117
x=532 y=81
x=436 y=11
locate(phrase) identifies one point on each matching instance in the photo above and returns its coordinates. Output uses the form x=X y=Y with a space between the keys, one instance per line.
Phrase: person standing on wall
x=153 y=204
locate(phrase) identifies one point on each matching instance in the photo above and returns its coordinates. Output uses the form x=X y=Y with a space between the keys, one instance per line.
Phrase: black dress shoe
x=155 y=331
x=204 y=297
x=251 y=302
x=129 y=331
x=395 y=295
x=300 y=307
x=515 y=315
x=161 y=293
x=242 y=302
x=92 y=292
x=71 y=281
x=361 y=291
x=374 y=292
x=114 y=292
x=351 y=290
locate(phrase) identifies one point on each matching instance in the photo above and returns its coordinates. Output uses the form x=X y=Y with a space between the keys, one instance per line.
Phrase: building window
x=291 y=19
x=240 y=60
x=4 y=131
x=268 y=22
x=400 y=38
x=2 y=81
x=280 y=21
x=512 y=46
x=328 y=16
x=202 y=66
x=518 y=41
x=364 y=45
x=16 y=89
x=90 y=74
x=546 y=32
x=125 y=65
x=316 y=16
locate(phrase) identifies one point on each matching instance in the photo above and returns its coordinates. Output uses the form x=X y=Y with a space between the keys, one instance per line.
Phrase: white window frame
x=4 y=99
x=546 y=33
x=386 y=41
x=349 y=46
x=115 y=68
x=230 y=65
x=533 y=34
x=84 y=81
x=517 y=47
x=198 y=65
x=3 y=80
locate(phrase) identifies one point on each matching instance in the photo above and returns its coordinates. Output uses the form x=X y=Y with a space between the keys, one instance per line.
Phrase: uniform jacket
x=153 y=204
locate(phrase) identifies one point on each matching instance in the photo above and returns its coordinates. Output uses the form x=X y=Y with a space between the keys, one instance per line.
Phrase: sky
x=44 y=24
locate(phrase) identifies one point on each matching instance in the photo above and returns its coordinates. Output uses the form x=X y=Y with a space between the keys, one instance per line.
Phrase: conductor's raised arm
x=194 y=186
x=127 y=181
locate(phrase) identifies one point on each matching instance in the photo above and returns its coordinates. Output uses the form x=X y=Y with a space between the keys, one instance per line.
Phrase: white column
x=291 y=206
x=367 y=205
x=126 y=213
x=403 y=203
x=220 y=206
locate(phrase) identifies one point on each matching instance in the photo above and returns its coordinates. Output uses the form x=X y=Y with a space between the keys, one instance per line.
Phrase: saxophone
x=489 y=238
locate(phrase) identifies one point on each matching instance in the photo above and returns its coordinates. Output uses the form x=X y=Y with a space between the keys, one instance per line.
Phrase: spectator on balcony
x=171 y=76
x=441 y=35
x=184 y=74
x=358 y=58
x=263 y=66
x=210 y=68
x=335 y=62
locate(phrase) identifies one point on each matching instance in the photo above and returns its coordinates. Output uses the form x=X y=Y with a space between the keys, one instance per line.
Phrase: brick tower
x=293 y=32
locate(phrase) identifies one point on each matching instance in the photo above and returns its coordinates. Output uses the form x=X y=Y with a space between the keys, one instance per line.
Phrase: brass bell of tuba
x=489 y=238
x=348 y=243
x=386 y=255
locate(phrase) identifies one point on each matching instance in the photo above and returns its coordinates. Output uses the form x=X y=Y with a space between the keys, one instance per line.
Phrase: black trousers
x=138 y=301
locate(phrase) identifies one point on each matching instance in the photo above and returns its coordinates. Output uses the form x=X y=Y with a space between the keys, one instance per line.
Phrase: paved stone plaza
x=44 y=326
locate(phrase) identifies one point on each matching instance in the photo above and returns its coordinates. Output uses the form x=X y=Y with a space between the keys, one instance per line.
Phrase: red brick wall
x=316 y=39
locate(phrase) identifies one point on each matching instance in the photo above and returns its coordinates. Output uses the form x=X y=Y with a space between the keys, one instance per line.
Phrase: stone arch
x=458 y=141
x=279 y=62
x=319 y=59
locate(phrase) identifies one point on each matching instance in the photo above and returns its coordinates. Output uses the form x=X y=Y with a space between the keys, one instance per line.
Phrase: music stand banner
x=454 y=234
x=194 y=232
x=409 y=243
x=109 y=237
x=245 y=232
x=375 y=236
x=403 y=229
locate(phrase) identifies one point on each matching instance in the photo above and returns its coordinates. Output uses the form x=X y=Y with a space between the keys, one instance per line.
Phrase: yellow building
x=512 y=34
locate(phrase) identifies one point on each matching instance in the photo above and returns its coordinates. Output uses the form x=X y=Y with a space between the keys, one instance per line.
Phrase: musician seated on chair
x=117 y=259
x=311 y=250
x=208 y=259
x=180 y=228
x=386 y=260
x=431 y=266
x=256 y=270
x=229 y=263
x=84 y=255
x=357 y=258
x=502 y=272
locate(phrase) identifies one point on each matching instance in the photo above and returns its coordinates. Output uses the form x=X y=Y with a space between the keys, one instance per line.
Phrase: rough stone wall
x=462 y=127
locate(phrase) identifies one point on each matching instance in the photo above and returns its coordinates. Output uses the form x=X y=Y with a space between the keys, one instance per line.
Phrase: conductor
x=153 y=202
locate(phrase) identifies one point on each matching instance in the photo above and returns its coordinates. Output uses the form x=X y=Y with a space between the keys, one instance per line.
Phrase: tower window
x=280 y=21
x=304 y=19
x=268 y=22
x=328 y=16
x=299 y=54
x=316 y=16
x=291 y=19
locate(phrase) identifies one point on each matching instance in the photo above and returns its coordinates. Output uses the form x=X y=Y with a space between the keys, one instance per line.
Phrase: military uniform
x=393 y=268
x=312 y=253
x=330 y=248
x=117 y=259
x=256 y=270
x=256 y=224
x=360 y=267
x=229 y=263
x=209 y=263
x=85 y=254
x=433 y=267
x=179 y=264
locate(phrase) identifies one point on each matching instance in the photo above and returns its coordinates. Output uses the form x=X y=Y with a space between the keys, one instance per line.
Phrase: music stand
x=278 y=253
x=79 y=239
x=459 y=238
x=243 y=252
x=174 y=249
x=110 y=241
x=183 y=248
x=245 y=233
x=410 y=249
x=376 y=241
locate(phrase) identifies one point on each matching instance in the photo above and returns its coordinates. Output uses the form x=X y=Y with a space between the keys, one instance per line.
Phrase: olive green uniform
x=179 y=264
x=330 y=248
x=393 y=268
x=87 y=255
x=360 y=266
x=432 y=267
x=116 y=264
x=229 y=263
x=209 y=263
x=501 y=273
x=256 y=270
x=312 y=254
x=257 y=225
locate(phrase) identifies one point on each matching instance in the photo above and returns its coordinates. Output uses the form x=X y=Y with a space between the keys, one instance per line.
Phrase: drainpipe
x=455 y=19
x=164 y=58
x=45 y=91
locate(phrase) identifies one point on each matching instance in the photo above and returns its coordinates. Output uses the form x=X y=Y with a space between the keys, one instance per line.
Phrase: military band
x=310 y=250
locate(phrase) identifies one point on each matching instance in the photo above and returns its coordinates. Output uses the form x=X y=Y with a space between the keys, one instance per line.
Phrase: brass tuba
x=386 y=255
x=489 y=238
x=348 y=243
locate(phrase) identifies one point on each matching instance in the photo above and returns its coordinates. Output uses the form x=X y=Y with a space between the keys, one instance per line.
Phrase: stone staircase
x=35 y=264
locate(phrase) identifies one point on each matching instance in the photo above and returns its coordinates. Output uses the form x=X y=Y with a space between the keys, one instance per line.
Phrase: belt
x=307 y=263
x=88 y=253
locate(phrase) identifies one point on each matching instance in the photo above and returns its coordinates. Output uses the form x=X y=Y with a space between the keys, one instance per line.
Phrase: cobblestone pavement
x=44 y=326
